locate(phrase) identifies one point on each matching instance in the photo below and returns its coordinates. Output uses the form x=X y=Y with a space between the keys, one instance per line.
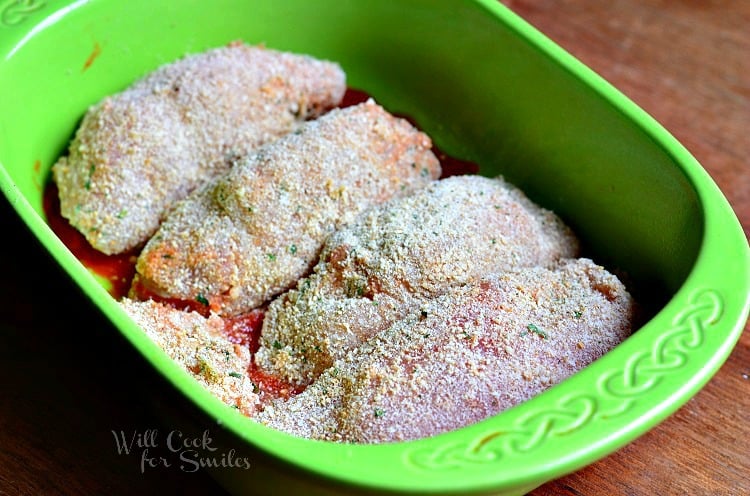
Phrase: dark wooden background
x=66 y=381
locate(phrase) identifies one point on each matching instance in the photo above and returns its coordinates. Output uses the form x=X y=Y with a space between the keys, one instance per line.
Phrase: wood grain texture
x=66 y=382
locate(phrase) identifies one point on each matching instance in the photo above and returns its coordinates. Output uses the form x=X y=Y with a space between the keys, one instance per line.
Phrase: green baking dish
x=487 y=87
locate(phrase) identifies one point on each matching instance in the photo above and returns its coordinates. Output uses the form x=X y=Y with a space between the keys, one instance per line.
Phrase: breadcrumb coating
x=466 y=355
x=137 y=152
x=252 y=233
x=199 y=345
x=395 y=257
x=433 y=304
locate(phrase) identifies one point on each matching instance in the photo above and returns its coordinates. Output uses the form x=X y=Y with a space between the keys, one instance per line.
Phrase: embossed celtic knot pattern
x=14 y=12
x=617 y=392
x=671 y=350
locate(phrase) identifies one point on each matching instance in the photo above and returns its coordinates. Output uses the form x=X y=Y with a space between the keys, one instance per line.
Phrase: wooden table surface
x=66 y=381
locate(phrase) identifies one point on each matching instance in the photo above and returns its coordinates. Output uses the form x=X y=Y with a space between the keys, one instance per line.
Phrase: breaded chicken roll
x=394 y=257
x=138 y=152
x=200 y=346
x=252 y=233
x=467 y=355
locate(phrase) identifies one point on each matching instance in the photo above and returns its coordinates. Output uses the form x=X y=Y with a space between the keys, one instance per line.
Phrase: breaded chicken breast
x=200 y=346
x=396 y=256
x=252 y=233
x=139 y=151
x=468 y=354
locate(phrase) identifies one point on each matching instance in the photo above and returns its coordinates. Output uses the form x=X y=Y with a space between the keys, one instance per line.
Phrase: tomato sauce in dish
x=244 y=330
x=271 y=387
x=117 y=269
x=140 y=292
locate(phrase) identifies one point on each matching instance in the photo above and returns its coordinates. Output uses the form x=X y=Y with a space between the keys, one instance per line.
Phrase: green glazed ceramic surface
x=487 y=87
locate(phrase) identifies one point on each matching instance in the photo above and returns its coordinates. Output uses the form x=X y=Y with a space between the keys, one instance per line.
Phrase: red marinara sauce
x=117 y=269
x=243 y=330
